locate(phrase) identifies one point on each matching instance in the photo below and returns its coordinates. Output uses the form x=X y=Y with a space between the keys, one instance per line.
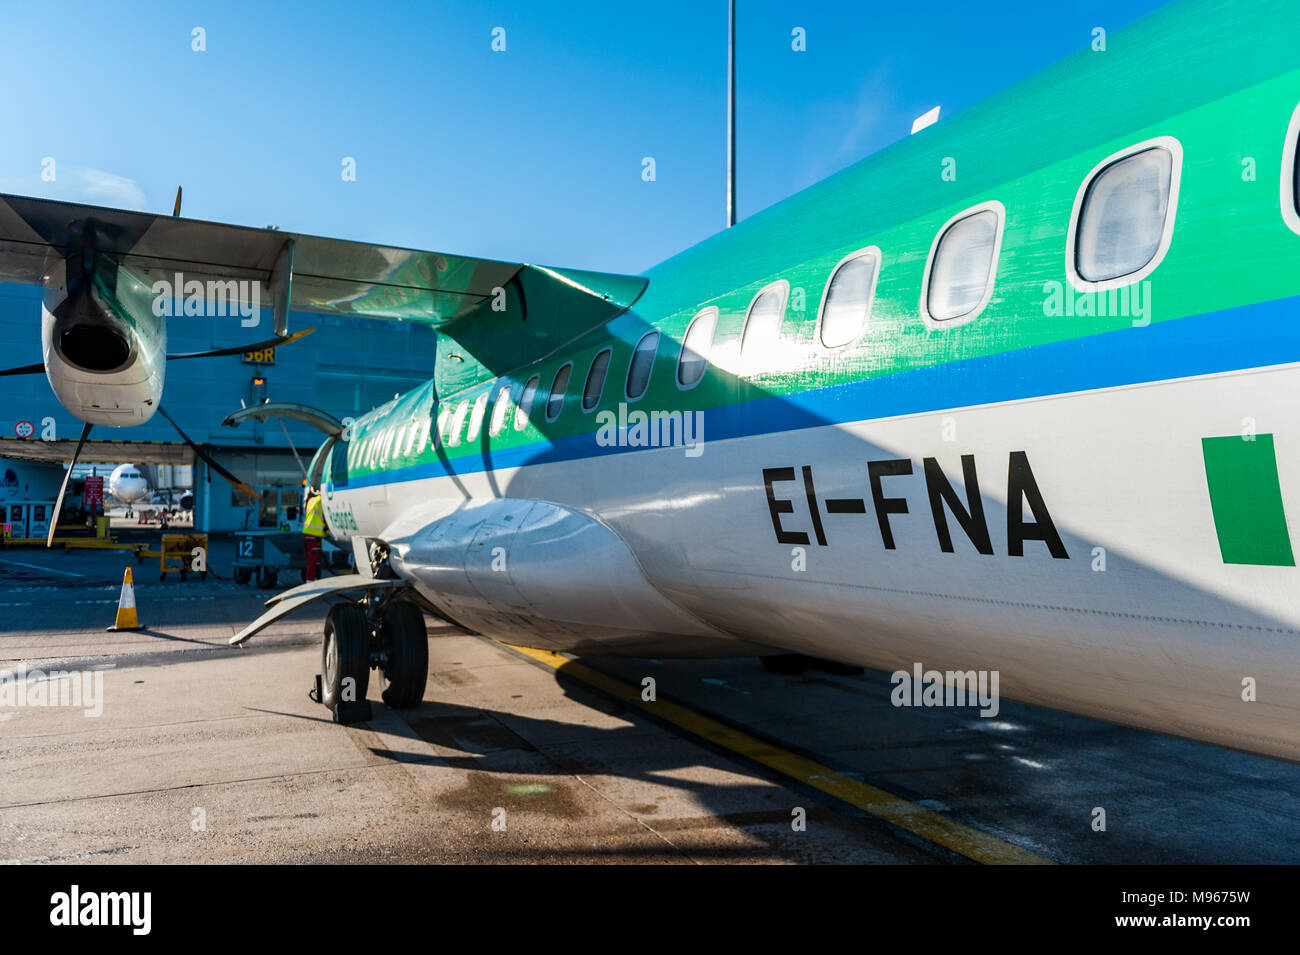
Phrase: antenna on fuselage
x=731 y=114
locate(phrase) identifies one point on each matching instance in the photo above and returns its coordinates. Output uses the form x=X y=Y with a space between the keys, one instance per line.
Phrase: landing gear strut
x=384 y=634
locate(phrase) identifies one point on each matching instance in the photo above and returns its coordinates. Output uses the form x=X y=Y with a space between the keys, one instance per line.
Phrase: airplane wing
x=501 y=313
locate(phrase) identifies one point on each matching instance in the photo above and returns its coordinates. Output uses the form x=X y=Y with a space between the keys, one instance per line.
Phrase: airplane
x=1011 y=395
x=128 y=486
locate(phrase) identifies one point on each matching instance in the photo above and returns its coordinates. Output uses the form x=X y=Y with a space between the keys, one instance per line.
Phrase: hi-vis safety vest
x=313 y=520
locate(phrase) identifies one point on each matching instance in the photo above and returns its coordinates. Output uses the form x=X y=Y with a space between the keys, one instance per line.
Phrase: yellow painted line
x=931 y=826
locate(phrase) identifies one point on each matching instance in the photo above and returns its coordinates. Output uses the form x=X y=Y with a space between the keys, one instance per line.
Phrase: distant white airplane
x=128 y=485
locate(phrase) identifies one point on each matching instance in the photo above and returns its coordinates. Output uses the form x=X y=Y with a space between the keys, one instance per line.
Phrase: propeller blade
x=176 y=209
x=207 y=460
x=63 y=489
x=24 y=370
x=238 y=349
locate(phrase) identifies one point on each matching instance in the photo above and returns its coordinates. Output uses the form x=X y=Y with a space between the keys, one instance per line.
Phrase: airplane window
x=457 y=419
x=555 y=403
x=697 y=341
x=499 y=409
x=641 y=365
x=763 y=322
x=339 y=464
x=960 y=280
x=476 y=418
x=526 y=402
x=1123 y=217
x=595 y=380
x=443 y=415
x=847 y=303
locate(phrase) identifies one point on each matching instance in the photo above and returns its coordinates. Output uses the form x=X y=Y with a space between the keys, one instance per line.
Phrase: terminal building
x=346 y=366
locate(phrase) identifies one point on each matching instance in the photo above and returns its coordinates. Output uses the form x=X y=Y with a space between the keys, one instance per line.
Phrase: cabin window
x=963 y=262
x=641 y=365
x=1124 y=217
x=526 y=402
x=559 y=387
x=1290 y=193
x=339 y=463
x=499 y=409
x=696 y=344
x=476 y=417
x=591 y=391
x=846 y=306
x=762 y=334
x=457 y=419
x=444 y=413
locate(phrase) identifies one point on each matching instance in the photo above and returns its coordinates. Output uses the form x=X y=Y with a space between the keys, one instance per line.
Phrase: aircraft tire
x=402 y=633
x=345 y=653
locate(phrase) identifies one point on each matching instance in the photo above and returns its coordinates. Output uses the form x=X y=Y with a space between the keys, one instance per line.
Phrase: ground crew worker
x=313 y=531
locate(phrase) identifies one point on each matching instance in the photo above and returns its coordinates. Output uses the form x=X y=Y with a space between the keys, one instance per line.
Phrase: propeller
x=24 y=370
x=63 y=488
x=204 y=456
x=239 y=349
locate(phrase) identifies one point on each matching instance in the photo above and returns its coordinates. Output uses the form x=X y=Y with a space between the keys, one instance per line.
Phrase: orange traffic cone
x=126 y=618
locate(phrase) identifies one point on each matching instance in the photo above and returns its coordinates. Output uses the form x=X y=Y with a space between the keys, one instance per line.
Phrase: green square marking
x=1247 y=500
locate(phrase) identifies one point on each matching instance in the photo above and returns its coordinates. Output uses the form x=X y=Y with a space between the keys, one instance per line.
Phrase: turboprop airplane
x=1012 y=395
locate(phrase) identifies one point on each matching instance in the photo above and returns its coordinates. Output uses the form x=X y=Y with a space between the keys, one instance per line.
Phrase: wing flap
x=290 y=600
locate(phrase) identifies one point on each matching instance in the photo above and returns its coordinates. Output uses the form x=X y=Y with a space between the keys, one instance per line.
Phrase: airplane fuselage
x=1088 y=485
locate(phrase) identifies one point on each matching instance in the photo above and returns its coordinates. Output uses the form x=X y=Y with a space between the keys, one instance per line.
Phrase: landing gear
x=404 y=650
x=345 y=661
x=387 y=635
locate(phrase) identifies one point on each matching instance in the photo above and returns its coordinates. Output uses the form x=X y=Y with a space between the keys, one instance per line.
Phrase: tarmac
x=204 y=753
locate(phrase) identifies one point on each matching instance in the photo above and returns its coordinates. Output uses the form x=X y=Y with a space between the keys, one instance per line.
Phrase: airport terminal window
x=591 y=391
x=526 y=402
x=555 y=403
x=1124 y=216
x=762 y=331
x=846 y=306
x=499 y=409
x=696 y=344
x=959 y=281
x=641 y=365
x=476 y=418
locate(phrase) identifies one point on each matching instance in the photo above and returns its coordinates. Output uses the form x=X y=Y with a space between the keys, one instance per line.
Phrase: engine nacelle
x=105 y=350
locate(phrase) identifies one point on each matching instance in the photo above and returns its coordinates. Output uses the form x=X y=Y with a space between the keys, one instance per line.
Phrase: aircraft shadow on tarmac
x=1031 y=777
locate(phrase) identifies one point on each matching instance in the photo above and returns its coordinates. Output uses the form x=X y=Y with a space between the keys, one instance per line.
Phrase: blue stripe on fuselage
x=1249 y=336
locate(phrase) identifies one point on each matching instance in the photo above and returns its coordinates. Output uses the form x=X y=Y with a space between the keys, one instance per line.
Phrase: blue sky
x=532 y=154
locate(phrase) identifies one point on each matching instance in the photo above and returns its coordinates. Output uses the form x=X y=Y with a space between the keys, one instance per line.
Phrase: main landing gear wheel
x=404 y=642
x=345 y=661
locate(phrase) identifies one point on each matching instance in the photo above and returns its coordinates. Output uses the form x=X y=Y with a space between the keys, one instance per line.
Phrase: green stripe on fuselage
x=1247 y=500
